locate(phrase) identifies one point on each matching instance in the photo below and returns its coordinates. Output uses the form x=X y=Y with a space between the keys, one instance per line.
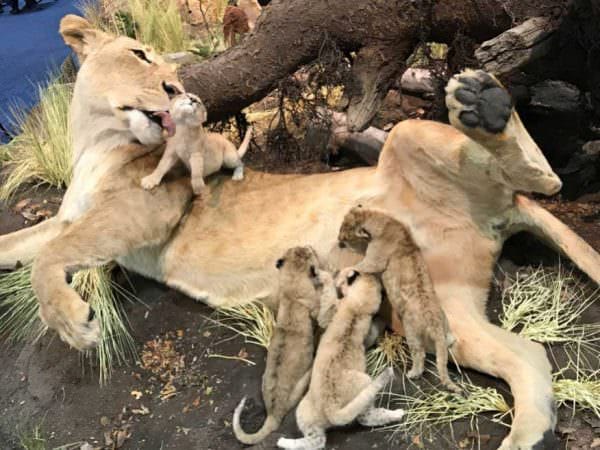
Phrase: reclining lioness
x=454 y=186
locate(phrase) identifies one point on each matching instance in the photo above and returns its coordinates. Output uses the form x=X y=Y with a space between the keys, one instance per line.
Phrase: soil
x=47 y=383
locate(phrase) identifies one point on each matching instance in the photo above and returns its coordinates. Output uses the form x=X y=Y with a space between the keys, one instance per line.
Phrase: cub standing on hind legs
x=203 y=153
x=340 y=389
x=290 y=353
x=392 y=252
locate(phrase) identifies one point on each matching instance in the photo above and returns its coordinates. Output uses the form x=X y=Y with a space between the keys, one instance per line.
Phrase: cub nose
x=339 y=293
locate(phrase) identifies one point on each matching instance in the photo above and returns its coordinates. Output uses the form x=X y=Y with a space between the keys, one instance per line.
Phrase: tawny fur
x=290 y=353
x=202 y=152
x=455 y=187
x=392 y=253
x=340 y=390
x=235 y=23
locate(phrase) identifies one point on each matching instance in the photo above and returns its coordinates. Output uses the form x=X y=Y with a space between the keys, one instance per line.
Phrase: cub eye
x=141 y=55
x=365 y=233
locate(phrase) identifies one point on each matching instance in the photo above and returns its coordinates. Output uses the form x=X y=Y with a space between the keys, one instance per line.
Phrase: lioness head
x=122 y=86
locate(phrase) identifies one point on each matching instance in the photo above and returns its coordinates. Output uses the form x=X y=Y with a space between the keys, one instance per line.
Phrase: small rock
x=552 y=96
x=104 y=421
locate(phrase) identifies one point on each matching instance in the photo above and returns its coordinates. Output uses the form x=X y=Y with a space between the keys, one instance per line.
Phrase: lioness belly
x=225 y=251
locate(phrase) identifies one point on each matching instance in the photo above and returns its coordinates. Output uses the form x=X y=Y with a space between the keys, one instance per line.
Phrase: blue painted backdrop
x=30 y=46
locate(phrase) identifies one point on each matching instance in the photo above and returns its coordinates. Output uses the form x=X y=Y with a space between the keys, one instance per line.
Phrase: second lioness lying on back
x=290 y=353
x=202 y=152
x=392 y=252
x=340 y=390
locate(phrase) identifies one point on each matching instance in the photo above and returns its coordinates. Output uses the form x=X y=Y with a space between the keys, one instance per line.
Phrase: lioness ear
x=79 y=34
x=279 y=263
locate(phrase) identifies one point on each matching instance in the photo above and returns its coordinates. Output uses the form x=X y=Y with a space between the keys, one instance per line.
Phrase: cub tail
x=245 y=143
x=271 y=424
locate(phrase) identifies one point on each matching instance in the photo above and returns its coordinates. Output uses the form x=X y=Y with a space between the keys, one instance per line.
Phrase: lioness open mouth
x=162 y=119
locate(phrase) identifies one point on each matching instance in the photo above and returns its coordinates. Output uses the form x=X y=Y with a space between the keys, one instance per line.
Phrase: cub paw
x=81 y=331
x=385 y=377
x=475 y=99
x=414 y=373
x=149 y=182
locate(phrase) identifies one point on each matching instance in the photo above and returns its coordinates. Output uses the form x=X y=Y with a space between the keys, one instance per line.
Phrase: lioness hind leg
x=523 y=365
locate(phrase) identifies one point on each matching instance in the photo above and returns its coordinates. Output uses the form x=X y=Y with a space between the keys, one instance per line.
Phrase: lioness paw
x=476 y=100
x=81 y=331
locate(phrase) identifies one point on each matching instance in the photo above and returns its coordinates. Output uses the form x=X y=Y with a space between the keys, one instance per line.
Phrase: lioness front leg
x=98 y=237
x=522 y=364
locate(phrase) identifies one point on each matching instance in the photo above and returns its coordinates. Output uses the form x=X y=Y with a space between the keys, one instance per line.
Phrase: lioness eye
x=141 y=54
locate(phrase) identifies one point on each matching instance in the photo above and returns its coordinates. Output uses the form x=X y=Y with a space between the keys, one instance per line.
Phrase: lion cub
x=202 y=152
x=392 y=252
x=290 y=354
x=340 y=390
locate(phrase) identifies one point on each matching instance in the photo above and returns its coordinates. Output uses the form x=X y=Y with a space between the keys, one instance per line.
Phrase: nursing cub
x=392 y=252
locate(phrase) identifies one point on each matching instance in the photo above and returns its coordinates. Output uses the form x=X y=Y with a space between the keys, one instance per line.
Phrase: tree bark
x=290 y=33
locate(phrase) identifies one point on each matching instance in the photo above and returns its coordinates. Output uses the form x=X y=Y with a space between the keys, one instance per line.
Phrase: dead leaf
x=416 y=440
x=19 y=207
x=137 y=394
x=196 y=402
x=104 y=421
x=243 y=353
x=142 y=411
x=168 y=391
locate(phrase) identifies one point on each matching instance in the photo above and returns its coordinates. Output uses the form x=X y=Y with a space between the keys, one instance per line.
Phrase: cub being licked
x=392 y=252
x=340 y=390
x=290 y=353
x=202 y=152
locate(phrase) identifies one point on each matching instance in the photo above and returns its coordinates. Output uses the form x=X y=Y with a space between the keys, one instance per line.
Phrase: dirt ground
x=48 y=384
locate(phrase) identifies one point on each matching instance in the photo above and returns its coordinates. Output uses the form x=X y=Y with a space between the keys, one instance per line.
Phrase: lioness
x=203 y=153
x=392 y=252
x=455 y=186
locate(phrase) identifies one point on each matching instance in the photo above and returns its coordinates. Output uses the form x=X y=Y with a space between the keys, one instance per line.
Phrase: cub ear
x=279 y=263
x=202 y=113
x=364 y=233
x=352 y=276
x=79 y=34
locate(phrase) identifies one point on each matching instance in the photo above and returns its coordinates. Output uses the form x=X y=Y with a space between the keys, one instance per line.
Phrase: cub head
x=353 y=227
x=299 y=273
x=358 y=291
x=122 y=86
x=188 y=109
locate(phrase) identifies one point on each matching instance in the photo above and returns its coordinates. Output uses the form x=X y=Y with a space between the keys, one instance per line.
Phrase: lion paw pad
x=478 y=100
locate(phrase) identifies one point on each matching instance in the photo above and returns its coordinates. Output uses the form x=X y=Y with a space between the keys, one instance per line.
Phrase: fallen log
x=291 y=33
x=517 y=47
